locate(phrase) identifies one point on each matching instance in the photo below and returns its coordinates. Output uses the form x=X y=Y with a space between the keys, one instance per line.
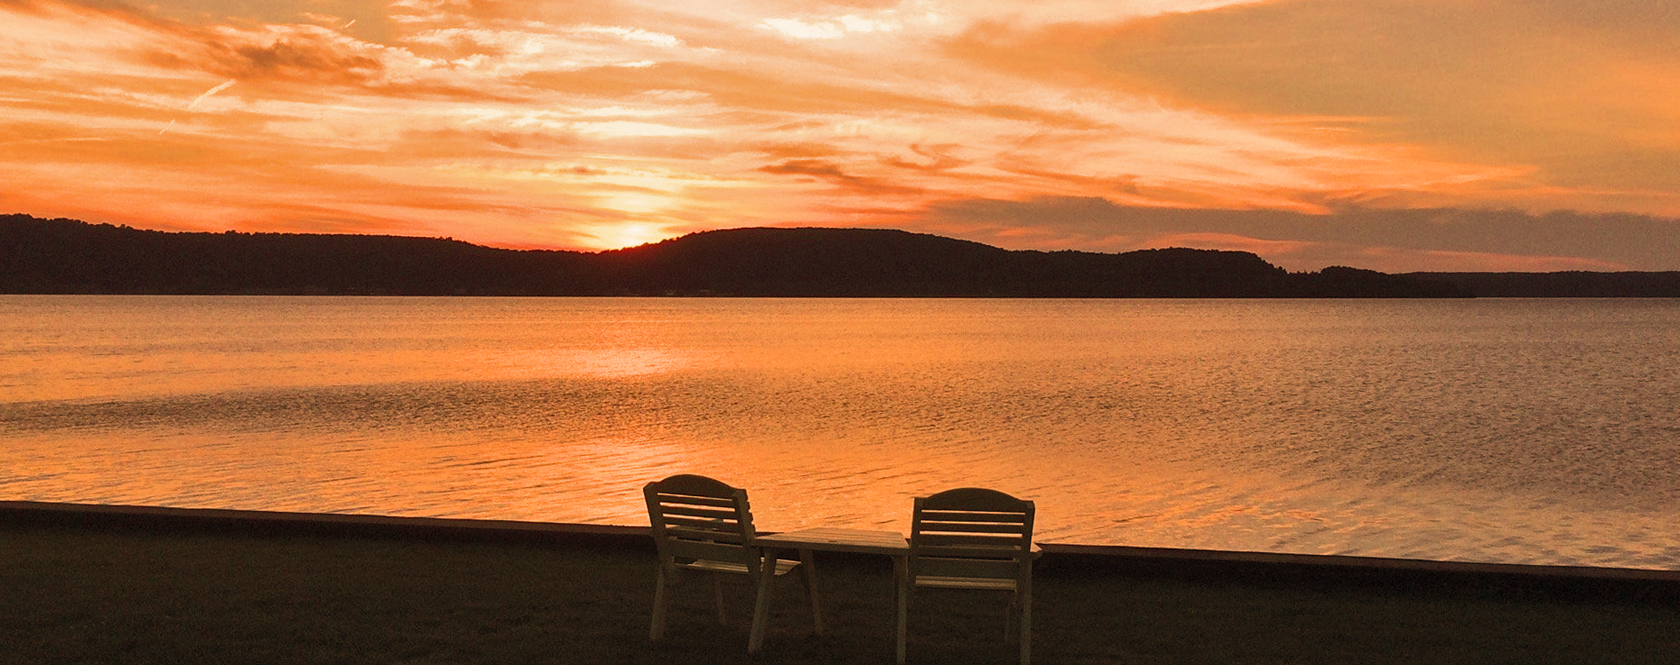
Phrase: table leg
x=809 y=562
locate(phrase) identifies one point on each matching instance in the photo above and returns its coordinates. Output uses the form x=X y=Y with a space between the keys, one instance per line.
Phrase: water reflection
x=610 y=363
x=1442 y=430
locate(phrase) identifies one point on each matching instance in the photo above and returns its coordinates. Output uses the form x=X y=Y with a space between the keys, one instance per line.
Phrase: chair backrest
x=698 y=518
x=972 y=533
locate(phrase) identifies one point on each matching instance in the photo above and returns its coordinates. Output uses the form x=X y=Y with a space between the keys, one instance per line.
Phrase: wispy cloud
x=833 y=174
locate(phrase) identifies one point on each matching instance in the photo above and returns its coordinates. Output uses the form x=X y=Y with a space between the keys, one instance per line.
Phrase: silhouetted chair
x=701 y=525
x=973 y=538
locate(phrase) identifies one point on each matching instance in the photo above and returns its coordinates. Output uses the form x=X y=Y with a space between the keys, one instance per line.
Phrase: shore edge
x=1585 y=582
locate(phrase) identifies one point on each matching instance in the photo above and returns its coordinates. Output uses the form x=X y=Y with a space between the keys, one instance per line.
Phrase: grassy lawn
x=91 y=595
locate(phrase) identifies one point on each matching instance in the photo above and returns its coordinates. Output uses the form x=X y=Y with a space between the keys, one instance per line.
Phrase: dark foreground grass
x=74 y=594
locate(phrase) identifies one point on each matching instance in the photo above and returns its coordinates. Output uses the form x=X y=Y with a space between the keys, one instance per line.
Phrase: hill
x=70 y=256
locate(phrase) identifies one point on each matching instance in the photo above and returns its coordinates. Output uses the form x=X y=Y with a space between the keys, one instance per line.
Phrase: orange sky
x=1386 y=134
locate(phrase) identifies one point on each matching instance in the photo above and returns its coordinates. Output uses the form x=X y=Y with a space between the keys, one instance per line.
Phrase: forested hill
x=69 y=256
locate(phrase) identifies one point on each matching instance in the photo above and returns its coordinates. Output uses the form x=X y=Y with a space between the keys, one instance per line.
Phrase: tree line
x=75 y=257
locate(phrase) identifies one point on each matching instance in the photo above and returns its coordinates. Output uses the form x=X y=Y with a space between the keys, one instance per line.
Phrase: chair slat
x=714 y=566
x=668 y=498
x=971 y=552
x=991 y=553
x=1016 y=528
x=703 y=523
x=712 y=551
x=782 y=566
x=994 y=540
x=724 y=521
x=972 y=516
x=699 y=511
x=977 y=568
x=1017 y=543
x=725 y=537
x=940 y=582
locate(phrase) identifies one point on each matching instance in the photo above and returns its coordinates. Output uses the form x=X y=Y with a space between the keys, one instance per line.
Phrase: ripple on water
x=1500 y=431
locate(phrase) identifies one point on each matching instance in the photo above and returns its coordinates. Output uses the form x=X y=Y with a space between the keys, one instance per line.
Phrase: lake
x=1521 y=431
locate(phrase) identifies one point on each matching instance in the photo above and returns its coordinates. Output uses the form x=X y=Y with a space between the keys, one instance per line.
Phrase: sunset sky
x=1394 y=135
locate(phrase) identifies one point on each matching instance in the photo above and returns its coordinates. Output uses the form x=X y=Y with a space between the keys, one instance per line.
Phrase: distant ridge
x=70 y=256
x=1569 y=284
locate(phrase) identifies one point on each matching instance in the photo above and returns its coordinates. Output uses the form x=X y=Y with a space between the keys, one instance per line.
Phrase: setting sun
x=629 y=234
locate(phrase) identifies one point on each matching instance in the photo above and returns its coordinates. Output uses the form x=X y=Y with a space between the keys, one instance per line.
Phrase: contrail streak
x=207 y=93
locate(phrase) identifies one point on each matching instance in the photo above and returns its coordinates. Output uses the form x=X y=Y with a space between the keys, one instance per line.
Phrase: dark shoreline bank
x=1585 y=583
x=125 y=584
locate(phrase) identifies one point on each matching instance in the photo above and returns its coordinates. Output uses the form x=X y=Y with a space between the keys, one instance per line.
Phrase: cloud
x=1584 y=92
x=833 y=174
x=835 y=28
x=298 y=53
x=1379 y=239
x=798 y=29
x=933 y=159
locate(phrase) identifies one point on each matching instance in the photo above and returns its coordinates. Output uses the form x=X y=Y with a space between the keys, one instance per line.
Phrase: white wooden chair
x=973 y=538
x=701 y=525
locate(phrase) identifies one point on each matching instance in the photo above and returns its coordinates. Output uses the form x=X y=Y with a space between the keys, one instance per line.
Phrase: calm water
x=1528 y=431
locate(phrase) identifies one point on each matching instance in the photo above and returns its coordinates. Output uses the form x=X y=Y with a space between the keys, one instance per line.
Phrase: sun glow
x=629 y=234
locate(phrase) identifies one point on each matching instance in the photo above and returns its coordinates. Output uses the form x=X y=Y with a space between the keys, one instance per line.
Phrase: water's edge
x=1060 y=559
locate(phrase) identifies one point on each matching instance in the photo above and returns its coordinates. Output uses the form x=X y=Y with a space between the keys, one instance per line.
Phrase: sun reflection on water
x=615 y=363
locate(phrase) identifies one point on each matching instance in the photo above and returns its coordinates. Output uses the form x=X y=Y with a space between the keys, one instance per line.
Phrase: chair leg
x=1026 y=622
x=901 y=573
x=717 y=597
x=761 y=605
x=660 y=597
x=1010 y=622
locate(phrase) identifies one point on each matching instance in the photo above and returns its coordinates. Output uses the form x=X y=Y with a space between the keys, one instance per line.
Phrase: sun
x=629 y=234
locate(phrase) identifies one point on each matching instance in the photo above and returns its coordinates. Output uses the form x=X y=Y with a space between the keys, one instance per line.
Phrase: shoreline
x=1059 y=559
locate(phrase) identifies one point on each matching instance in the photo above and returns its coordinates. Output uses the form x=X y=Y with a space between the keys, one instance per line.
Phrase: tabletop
x=862 y=541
